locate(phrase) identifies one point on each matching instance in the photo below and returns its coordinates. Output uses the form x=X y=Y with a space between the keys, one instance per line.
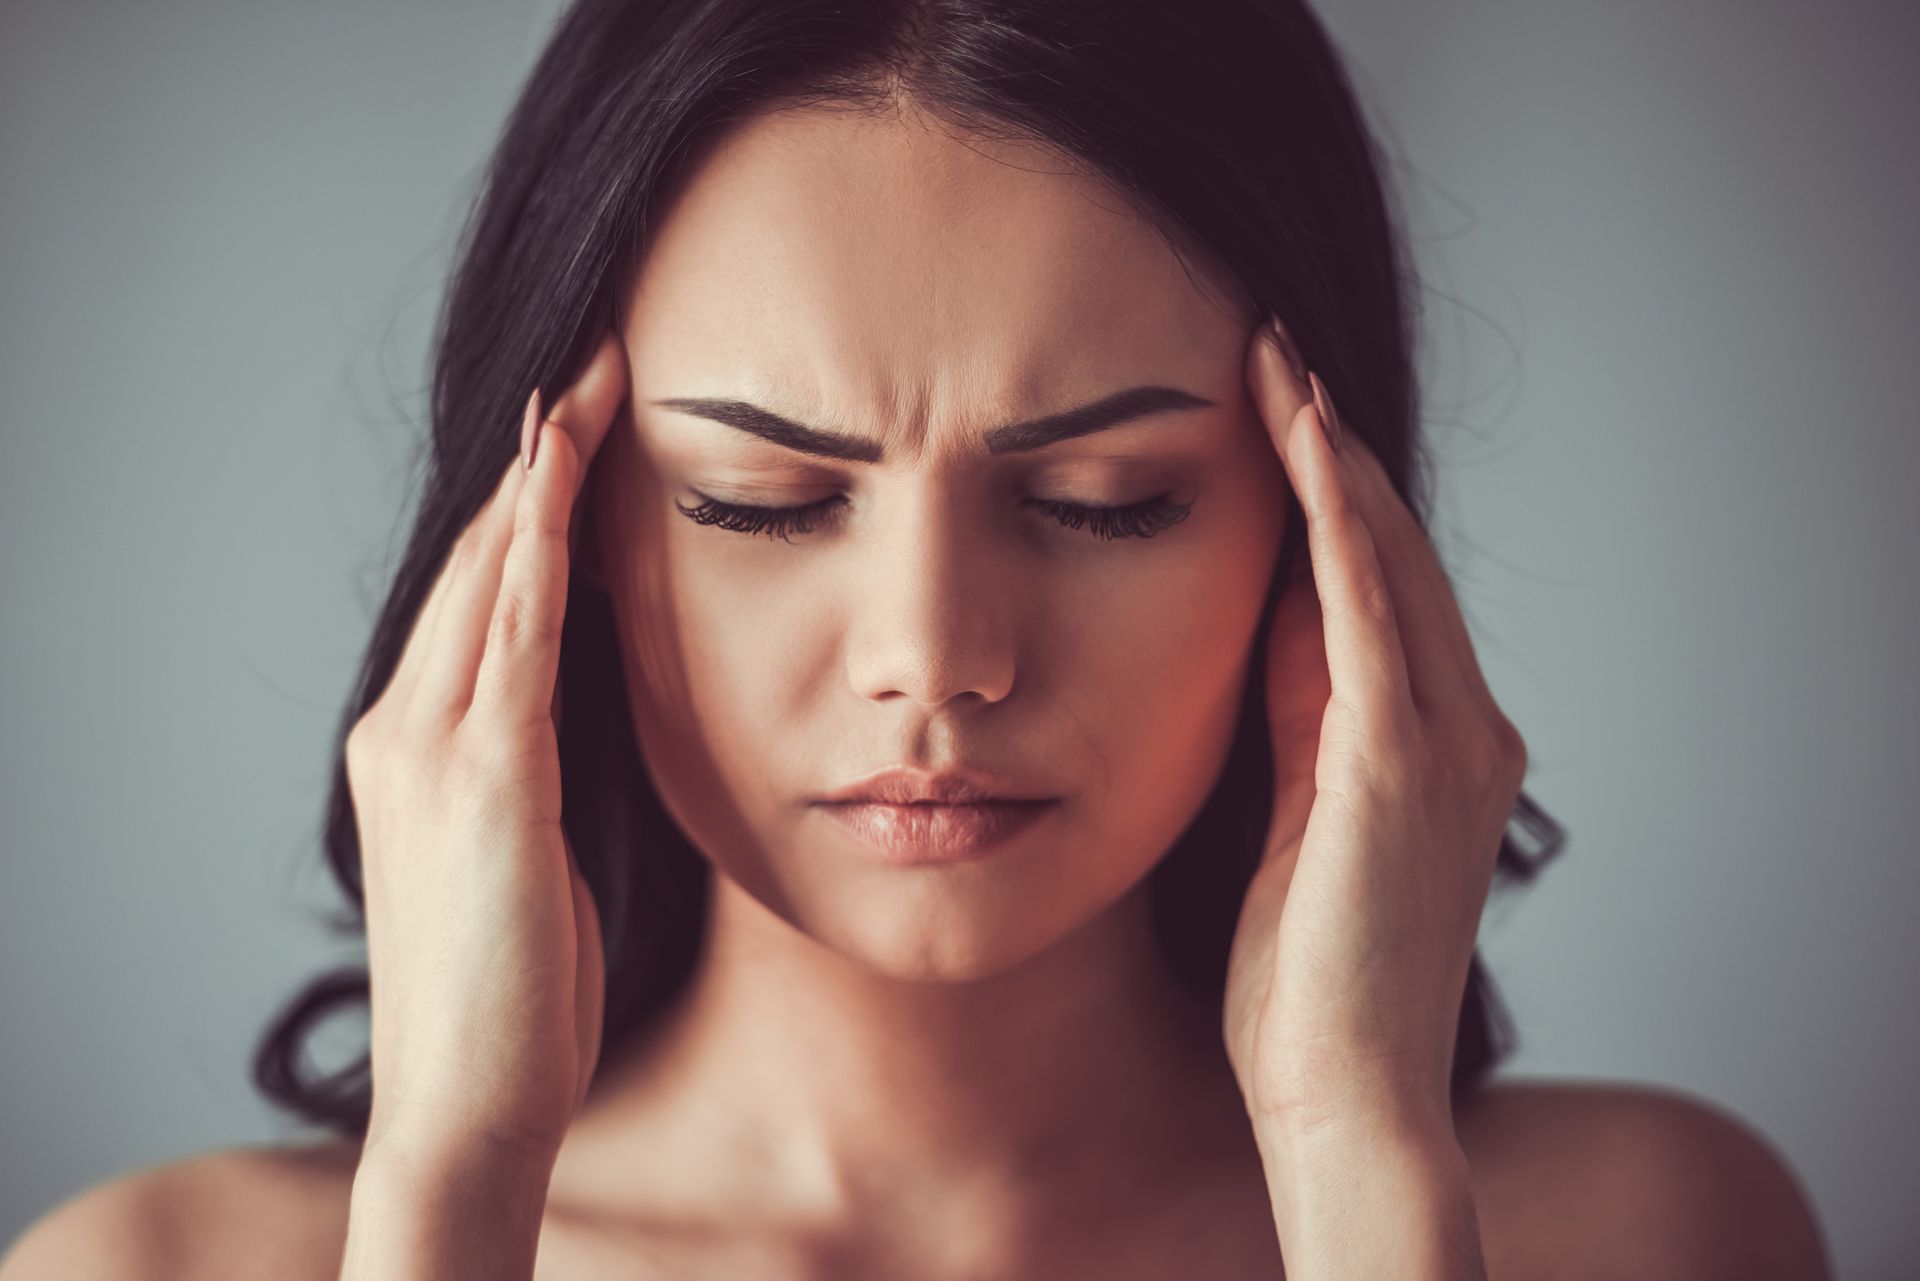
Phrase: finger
x=1447 y=674
x=587 y=409
x=589 y=990
x=455 y=569
x=588 y=405
x=515 y=682
x=460 y=637
x=1298 y=689
x=1364 y=658
x=1437 y=685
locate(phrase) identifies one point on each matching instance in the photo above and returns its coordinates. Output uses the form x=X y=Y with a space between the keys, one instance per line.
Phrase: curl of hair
x=1229 y=124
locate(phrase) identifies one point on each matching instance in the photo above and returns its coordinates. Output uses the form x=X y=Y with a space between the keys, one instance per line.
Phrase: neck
x=789 y=1084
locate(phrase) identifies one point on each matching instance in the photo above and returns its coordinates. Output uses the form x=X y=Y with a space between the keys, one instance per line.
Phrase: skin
x=893 y=281
x=726 y=1148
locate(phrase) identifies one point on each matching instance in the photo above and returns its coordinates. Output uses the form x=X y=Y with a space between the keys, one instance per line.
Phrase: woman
x=1029 y=793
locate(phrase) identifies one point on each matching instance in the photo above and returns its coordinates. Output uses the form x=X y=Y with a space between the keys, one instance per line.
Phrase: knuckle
x=1374 y=600
x=519 y=621
x=1328 y=532
x=1370 y=603
x=473 y=746
x=1494 y=750
x=526 y=521
x=1391 y=742
x=1479 y=754
x=474 y=764
x=530 y=522
x=1513 y=747
x=485 y=769
x=482 y=749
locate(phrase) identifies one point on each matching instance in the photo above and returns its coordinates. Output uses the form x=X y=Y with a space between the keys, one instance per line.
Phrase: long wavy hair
x=1228 y=124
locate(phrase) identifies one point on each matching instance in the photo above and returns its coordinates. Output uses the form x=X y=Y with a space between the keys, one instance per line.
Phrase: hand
x=1395 y=775
x=483 y=944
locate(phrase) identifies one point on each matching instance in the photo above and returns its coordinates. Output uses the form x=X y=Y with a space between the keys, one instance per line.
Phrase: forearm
x=473 y=1216
x=1371 y=1195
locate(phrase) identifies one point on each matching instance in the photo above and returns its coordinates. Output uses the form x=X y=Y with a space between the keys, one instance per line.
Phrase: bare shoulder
x=1594 y=1179
x=249 y=1211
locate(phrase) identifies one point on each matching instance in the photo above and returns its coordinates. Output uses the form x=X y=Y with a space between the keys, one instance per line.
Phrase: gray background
x=1672 y=296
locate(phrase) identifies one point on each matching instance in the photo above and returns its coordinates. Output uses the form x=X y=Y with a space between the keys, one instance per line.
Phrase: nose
x=934 y=610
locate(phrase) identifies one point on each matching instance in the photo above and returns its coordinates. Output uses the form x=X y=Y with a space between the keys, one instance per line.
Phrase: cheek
x=711 y=688
x=1171 y=617
x=1154 y=659
x=746 y=692
x=692 y=609
x=701 y=668
x=718 y=652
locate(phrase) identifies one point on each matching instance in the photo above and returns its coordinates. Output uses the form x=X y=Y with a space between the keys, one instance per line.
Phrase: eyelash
x=1134 y=520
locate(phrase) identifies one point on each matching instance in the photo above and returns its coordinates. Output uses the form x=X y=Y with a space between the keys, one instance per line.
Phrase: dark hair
x=1229 y=124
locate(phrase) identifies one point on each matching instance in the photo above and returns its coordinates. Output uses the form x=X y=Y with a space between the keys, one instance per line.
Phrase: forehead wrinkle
x=1071 y=423
x=939 y=412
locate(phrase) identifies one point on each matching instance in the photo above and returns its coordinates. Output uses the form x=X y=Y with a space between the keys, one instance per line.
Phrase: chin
x=922 y=951
x=954 y=925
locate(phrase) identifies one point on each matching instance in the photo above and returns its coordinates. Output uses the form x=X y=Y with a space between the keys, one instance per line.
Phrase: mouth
x=934 y=832
x=959 y=785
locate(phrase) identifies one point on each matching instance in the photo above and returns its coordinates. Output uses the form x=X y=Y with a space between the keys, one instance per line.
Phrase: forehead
x=852 y=265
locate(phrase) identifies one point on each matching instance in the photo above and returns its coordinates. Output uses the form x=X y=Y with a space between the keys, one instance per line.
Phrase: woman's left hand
x=1395 y=777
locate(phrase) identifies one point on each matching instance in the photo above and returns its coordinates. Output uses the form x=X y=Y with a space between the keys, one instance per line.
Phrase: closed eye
x=1134 y=520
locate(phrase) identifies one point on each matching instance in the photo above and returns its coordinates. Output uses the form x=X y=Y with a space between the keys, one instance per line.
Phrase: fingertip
x=556 y=439
x=1263 y=377
x=1273 y=377
x=1273 y=336
x=590 y=404
x=1328 y=417
x=1305 y=419
x=605 y=381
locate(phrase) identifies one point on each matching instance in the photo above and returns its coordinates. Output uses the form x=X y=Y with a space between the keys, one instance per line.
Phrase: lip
x=932 y=833
x=959 y=785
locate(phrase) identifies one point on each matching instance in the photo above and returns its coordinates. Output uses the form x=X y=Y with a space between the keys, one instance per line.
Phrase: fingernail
x=1323 y=409
x=530 y=430
x=1287 y=352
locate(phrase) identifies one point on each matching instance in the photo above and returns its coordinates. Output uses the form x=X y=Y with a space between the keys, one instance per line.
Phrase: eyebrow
x=1011 y=438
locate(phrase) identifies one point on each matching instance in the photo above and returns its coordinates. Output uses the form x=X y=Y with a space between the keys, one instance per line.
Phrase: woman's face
x=911 y=292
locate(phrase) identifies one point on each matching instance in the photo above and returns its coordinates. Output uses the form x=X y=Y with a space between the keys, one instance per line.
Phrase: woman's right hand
x=483 y=945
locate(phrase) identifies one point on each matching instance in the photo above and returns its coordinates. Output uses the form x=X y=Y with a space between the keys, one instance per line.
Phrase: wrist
x=413 y=1140
x=1370 y=1194
x=471 y=1209
x=1352 y=1101
x=469 y=1161
x=1301 y=1141
x=1328 y=1153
